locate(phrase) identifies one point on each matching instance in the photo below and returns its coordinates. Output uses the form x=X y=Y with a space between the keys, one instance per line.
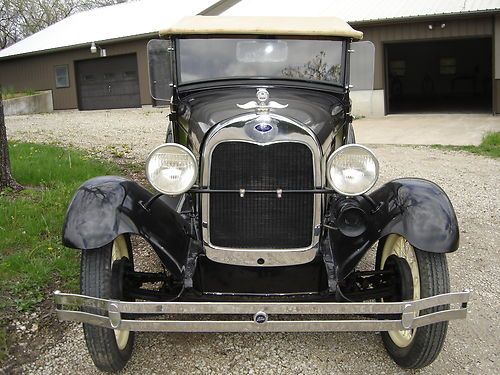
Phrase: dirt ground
x=472 y=345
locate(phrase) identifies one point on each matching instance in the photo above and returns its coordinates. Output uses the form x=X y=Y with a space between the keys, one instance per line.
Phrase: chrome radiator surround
x=250 y=257
x=237 y=130
x=69 y=309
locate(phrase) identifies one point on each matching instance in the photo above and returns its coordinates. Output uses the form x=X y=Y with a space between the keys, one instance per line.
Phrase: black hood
x=201 y=110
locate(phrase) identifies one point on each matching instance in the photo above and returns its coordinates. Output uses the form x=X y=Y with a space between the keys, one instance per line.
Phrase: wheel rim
x=120 y=250
x=399 y=246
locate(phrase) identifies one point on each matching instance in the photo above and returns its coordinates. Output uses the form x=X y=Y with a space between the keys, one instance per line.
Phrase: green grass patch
x=32 y=258
x=10 y=93
x=490 y=146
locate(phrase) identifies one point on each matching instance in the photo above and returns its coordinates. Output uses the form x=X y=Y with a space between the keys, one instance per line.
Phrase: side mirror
x=160 y=69
x=362 y=66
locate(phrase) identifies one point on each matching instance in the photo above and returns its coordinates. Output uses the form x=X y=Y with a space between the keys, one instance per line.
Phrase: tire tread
x=429 y=340
x=95 y=280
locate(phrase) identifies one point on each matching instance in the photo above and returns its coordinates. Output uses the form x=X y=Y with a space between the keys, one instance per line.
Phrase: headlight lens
x=171 y=169
x=352 y=169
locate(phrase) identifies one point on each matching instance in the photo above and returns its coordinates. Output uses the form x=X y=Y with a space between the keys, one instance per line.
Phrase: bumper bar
x=70 y=307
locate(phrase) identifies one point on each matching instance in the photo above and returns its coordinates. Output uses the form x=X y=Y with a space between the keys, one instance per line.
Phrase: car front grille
x=261 y=220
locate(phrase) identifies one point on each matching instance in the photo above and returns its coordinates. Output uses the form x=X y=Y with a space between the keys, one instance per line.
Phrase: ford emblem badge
x=263 y=128
x=260 y=317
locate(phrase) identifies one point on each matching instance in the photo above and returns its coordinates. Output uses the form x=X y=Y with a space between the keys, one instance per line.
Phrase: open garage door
x=439 y=76
x=108 y=82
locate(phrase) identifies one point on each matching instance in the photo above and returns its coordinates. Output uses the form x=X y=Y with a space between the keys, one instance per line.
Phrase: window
x=62 y=76
x=447 y=66
x=397 y=68
x=223 y=58
x=130 y=74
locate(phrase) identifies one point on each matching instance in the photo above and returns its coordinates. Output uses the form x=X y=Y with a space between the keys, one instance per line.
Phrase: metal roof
x=363 y=11
x=311 y=26
x=122 y=21
x=145 y=18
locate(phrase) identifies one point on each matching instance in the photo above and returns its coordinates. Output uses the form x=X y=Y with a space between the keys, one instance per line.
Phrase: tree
x=315 y=69
x=6 y=179
x=21 y=18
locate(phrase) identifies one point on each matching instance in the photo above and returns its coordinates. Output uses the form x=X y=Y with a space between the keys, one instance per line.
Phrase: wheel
x=426 y=275
x=110 y=349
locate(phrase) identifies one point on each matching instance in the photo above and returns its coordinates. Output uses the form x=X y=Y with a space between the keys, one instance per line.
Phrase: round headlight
x=171 y=169
x=352 y=169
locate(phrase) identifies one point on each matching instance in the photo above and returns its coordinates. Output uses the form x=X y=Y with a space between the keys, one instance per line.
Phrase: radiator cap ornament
x=262 y=105
x=262 y=95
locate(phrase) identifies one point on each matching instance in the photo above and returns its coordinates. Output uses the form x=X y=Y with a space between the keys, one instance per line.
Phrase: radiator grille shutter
x=261 y=220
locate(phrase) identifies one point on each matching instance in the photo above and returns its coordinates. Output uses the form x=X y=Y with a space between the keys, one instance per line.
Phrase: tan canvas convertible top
x=296 y=26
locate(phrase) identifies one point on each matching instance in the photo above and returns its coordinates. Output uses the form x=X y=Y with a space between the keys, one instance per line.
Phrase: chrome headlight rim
x=184 y=149
x=341 y=149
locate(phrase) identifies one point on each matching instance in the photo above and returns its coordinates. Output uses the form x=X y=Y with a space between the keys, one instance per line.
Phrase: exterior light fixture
x=94 y=47
x=436 y=25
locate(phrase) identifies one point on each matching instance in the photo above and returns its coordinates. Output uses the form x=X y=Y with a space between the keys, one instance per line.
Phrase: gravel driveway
x=131 y=133
x=472 y=346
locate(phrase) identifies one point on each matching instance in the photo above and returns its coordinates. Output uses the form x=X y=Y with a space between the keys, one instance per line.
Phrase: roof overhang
x=293 y=26
x=424 y=18
x=101 y=43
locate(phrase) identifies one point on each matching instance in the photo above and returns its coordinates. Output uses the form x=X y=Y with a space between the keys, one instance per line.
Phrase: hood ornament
x=262 y=95
x=263 y=105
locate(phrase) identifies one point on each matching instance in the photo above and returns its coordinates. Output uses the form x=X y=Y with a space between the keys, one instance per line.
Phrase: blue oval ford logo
x=260 y=317
x=263 y=128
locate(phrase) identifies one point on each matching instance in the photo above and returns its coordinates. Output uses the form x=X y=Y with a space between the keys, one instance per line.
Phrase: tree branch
x=21 y=18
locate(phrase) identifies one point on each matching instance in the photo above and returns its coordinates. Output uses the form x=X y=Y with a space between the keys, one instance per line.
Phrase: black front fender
x=417 y=209
x=420 y=211
x=105 y=207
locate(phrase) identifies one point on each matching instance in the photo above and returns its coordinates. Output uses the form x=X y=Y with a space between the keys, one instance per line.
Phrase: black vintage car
x=261 y=211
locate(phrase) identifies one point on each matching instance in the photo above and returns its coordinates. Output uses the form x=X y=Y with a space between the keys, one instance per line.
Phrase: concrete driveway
x=427 y=129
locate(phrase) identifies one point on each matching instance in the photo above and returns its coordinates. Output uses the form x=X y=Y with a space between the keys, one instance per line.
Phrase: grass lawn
x=9 y=93
x=490 y=146
x=32 y=259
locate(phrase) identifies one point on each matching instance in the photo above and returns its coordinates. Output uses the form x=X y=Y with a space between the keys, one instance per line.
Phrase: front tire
x=109 y=349
x=419 y=347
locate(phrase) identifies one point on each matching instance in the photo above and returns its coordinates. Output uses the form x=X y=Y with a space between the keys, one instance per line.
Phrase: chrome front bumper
x=260 y=314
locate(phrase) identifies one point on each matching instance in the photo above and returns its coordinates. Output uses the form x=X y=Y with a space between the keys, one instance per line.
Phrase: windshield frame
x=249 y=79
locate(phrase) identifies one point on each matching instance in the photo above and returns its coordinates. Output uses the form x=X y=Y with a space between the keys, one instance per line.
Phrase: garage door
x=439 y=76
x=108 y=82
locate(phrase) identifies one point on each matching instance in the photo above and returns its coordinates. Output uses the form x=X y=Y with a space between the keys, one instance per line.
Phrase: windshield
x=211 y=59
